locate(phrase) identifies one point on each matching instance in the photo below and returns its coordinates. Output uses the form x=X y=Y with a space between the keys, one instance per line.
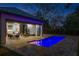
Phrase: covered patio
x=22 y=41
x=18 y=34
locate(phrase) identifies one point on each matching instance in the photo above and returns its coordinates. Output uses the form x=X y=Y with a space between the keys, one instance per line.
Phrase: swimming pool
x=48 y=42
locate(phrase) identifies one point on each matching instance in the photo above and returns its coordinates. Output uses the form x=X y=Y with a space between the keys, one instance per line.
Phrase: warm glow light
x=13 y=27
x=29 y=25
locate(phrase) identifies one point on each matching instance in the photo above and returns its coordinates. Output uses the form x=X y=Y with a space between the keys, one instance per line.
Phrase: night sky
x=31 y=8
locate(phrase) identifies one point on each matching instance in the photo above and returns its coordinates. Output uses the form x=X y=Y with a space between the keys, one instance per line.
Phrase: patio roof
x=18 y=12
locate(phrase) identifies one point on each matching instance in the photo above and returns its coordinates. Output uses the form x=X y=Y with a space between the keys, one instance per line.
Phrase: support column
x=41 y=34
x=21 y=28
x=36 y=34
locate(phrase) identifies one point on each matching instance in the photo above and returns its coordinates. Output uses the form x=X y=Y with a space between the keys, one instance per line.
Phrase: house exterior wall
x=3 y=31
x=0 y=30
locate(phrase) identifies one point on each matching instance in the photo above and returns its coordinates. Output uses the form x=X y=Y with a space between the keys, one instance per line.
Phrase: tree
x=44 y=10
x=72 y=23
x=49 y=12
x=47 y=29
x=67 y=5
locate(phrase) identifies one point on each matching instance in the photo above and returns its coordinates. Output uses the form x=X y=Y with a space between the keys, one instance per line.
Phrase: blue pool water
x=48 y=42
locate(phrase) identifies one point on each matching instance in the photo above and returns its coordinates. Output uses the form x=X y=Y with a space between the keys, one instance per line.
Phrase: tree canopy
x=72 y=23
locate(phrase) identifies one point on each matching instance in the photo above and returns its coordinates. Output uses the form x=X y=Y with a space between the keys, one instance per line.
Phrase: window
x=10 y=27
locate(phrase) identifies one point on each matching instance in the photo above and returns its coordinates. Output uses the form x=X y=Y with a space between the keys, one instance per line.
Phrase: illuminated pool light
x=48 y=42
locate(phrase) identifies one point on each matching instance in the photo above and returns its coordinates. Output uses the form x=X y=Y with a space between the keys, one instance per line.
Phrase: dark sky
x=31 y=8
x=26 y=7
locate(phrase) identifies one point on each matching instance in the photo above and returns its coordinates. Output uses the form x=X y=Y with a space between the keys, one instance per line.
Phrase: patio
x=22 y=41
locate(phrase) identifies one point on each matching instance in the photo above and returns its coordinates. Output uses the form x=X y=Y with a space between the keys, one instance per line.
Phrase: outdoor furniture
x=13 y=36
x=10 y=36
